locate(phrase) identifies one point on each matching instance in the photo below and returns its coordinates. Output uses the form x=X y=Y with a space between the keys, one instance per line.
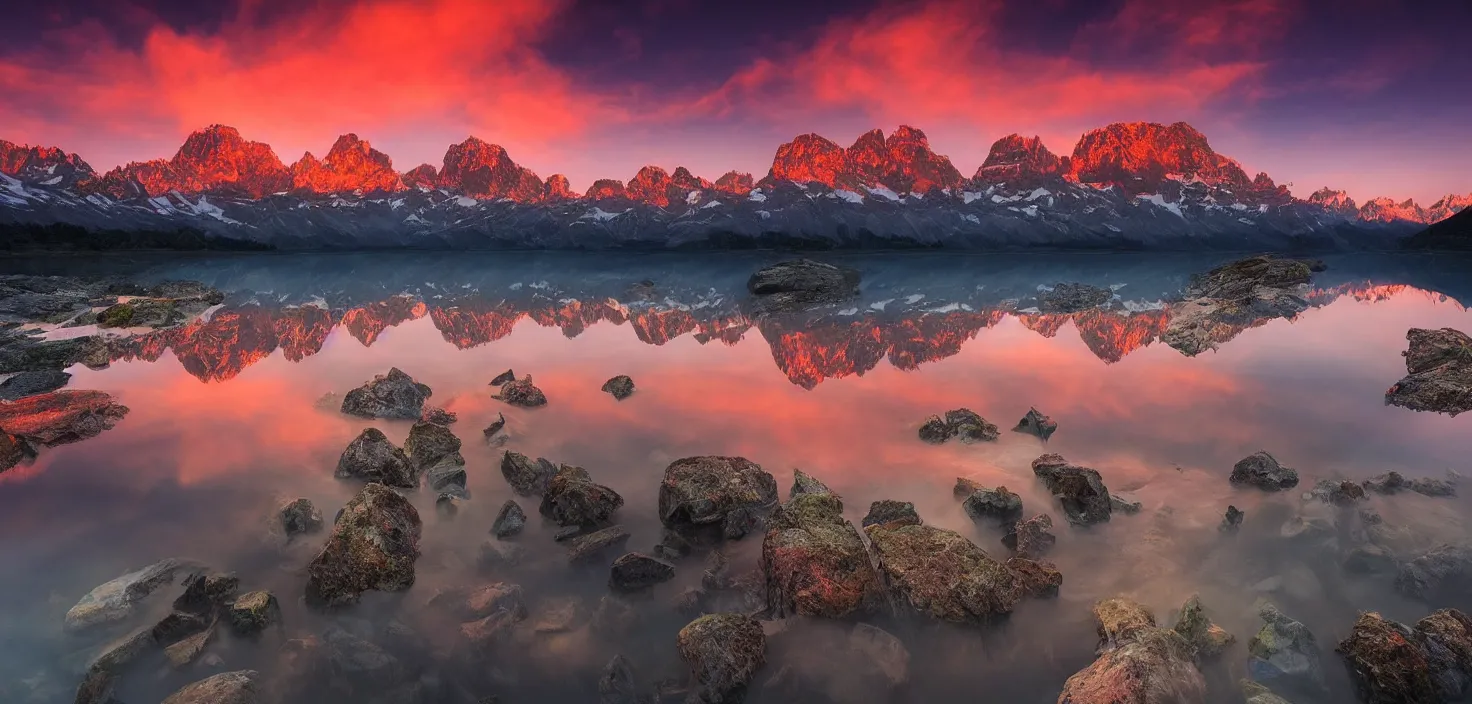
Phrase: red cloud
x=295 y=82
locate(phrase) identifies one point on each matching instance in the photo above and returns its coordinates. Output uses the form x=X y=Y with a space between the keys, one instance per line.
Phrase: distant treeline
x=72 y=238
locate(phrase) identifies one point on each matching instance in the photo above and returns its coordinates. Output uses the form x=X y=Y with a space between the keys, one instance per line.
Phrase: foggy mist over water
x=223 y=426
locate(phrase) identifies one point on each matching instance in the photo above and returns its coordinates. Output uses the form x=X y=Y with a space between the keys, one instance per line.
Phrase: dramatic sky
x=1366 y=95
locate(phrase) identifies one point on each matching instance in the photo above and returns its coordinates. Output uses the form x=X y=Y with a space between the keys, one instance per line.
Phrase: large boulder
x=724 y=652
x=119 y=598
x=939 y=573
x=997 y=505
x=527 y=477
x=709 y=491
x=1223 y=302
x=373 y=545
x=392 y=395
x=815 y=562
x=225 y=688
x=572 y=499
x=1138 y=663
x=1284 y=652
x=1079 y=490
x=1394 y=664
x=430 y=444
x=891 y=511
x=1031 y=538
x=1439 y=366
x=1263 y=471
x=370 y=457
x=800 y=284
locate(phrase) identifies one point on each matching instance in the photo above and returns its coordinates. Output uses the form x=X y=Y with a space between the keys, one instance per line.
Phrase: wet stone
x=598 y=544
x=1284 y=652
x=510 y=520
x=522 y=392
x=801 y=284
x=1079 y=490
x=621 y=387
x=635 y=571
x=118 y=598
x=438 y=416
x=619 y=684
x=1232 y=520
x=1035 y=423
x=206 y=593
x=429 y=444
x=372 y=458
x=887 y=511
x=803 y=483
x=496 y=425
x=254 y=612
x=392 y=395
x=1263 y=471
x=1337 y=493
x=446 y=506
x=1035 y=578
x=32 y=383
x=724 y=653
x=573 y=499
x=993 y=505
x=1137 y=662
x=497 y=555
x=180 y=625
x=1440 y=572
x=1125 y=504
x=558 y=615
x=1032 y=538
x=1439 y=378
x=300 y=517
x=374 y=545
x=723 y=492
x=939 y=573
x=1207 y=639
x=814 y=562
x=964 y=488
x=1393 y=664
x=186 y=651
x=527 y=477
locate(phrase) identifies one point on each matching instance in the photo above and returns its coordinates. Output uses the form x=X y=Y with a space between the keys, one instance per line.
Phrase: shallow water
x=225 y=422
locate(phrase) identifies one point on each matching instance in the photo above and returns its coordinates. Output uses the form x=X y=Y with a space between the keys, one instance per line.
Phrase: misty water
x=227 y=421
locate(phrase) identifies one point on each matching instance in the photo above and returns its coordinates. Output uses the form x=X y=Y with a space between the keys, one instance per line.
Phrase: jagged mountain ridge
x=1127 y=184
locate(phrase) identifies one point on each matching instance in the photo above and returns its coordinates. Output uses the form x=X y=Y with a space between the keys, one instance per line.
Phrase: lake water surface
x=225 y=421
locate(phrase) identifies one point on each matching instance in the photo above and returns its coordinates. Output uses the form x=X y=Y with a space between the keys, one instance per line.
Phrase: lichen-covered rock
x=526 y=476
x=1032 y=538
x=1207 y=639
x=994 y=505
x=1072 y=298
x=1258 y=694
x=117 y=599
x=206 y=594
x=1035 y=423
x=392 y=395
x=960 y=422
x=886 y=511
x=1035 y=578
x=621 y=387
x=1393 y=664
x=804 y=483
x=254 y=612
x=225 y=688
x=635 y=571
x=1138 y=663
x=438 y=416
x=1263 y=471
x=370 y=457
x=599 y=543
x=300 y=517
x=1079 y=490
x=713 y=491
x=1444 y=570
x=724 y=652
x=572 y=499
x=939 y=573
x=1285 y=651
x=429 y=444
x=1439 y=379
x=373 y=546
x=522 y=392
x=815 y=563
x=510 y=520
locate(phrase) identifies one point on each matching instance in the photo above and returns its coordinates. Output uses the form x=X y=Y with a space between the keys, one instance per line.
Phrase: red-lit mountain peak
x=1137 y=157
x=1449 y=205
x=557 y=189
x=1387 y=210
x=686 y=181
x=913 y=167
x=735 y=182
x=809 y=157
x=352 y=164
x=212 y=160
x=423 y=175
x=651 y=185
x=1337 y=202
x=867 y=161
x=481 y=169
x=48 y=165
x=1019 y=161
x=606 y=188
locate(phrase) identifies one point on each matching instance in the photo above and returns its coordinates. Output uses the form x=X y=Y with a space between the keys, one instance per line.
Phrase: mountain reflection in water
x=194 y=469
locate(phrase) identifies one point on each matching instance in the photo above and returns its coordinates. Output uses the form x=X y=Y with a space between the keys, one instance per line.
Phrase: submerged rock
x=1439 y=366
x=1394 y=482
x=1138 y=663
x=960 y=422
x=1079 y=490
x=997 y=504
x=803 y=483
x=32 y=383
x=939 y=573
x=522 y=392
x=1127 y=505
x=439 y=416
x=1393 y=664
x=496 y=426
x=1337 y=493
x=1031 y=538
x=803 y=283
x=1035 y=578
x=619 y=685
x=714 y=491
x=724 y=652
x=1444 y=570
x=1207 y=639
x=1284 y=651
x=1232 y=519
x=509 y=520
x=815 y=563
x=1073 y=298
x=496 y=555
x=503 y=377
x=392 y=395
x=599 y=543
x=374 y=545
x=370 y=457
x=117 y=599
x=300 y=517
x=635 y=571
x=1263 y=471
x=572 y=499
x=935 y=431
x=225 y=688
x=1035 y=423
x=527 y=477
x=887 y=511
x=620 y=386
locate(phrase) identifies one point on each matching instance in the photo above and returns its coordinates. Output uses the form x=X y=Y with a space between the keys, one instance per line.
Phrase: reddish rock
x=1136 y=157
x=1387 y=210
x=557 y=190
x=215 y=159
x=485 y=170
x=815 y=562
x=868 y=160
x=1449 y=205
x=686 y=181
x=351 y=165
x=374 y=545
x=651 y=185
x=912 y=167
x=1337 y=202
x=735 y=183
x=423 y=175
x=606 y=188
x=42 y=164
x=1019 y=161
x=59 y=417
x=938 y=573
x=809 y=157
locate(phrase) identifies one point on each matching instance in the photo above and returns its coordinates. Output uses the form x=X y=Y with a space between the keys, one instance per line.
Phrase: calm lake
x=226 y=421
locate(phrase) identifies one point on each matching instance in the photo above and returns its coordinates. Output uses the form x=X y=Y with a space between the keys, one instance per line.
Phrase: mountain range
x=1133 y=185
